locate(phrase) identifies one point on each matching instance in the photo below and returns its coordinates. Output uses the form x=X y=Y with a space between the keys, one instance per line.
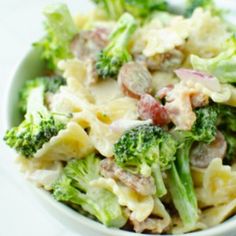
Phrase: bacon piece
x=202 y=154
x=140 y=184
x=199 y=100
x=163 y=92
x=179 y=108
x=150 y=108
x=88 y=43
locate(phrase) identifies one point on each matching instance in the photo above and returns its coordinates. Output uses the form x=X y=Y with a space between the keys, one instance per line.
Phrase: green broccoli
x=227 y=124
x=61 y=30
x=180 y=180
x=146 y=149
x=113 y=8
x=111 y=58
x=230 y=138
x=73 y=187
x=227 y=117
x=222 y=66
x=51 y=85
x=206 y=4
x=39 y=125
x=204 y=129
x=139 y=8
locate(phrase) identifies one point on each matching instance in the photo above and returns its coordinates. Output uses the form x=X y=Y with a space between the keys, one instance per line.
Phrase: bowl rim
x=221 y=229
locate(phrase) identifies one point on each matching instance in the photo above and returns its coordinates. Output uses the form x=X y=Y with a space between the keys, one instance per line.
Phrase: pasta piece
x=158 y=222
x=159 y=210
x=72 y=142
x=67 y=102
x=76 y=75
x=100 y=134
x=141 y=206
x=207 y=34
x=73 y=68
x=219 y=185
x=154 y=38
x=217 y=214
x=43 y=173
x=45 y=177
x=179 y=228
x=121 y=108
x=103 y=138
x=197 y=175
x=104 y=91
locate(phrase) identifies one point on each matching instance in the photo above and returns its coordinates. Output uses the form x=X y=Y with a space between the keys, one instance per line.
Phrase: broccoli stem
x=114 y=8
x=160 y=186
x=35 y=103
x=119 y=38
x=187 y=211
x=183 y=167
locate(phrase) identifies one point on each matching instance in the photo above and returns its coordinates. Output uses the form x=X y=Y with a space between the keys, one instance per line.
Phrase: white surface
x=20 y=214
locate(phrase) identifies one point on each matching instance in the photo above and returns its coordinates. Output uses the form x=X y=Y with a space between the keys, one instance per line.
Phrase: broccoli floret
x=142 y=8
x=139 y=8
x=206 y=4
x=230 y=138
x=113 y=8
x=146 y=149
x=227 y=117
x=61 y=30
x=204 y=129
x=180 y=180
x=51 y=85
x=112 y=57
x=227 y=124
x=39 y=125
x=74 y=188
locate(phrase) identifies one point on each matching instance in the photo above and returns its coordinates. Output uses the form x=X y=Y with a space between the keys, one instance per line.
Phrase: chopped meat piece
x=152 y=225
x=199 y=100
x=202 y=154
x=165 y=62
x=142 y=185
x=87 y=44
x=179 y=108
x=150 y=108
x=162 y=93
x=134 y=79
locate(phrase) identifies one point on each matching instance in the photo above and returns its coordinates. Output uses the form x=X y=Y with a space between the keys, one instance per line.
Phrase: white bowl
x=30 y=67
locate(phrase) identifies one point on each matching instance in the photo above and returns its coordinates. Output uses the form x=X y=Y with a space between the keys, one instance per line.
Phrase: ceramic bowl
x=30 y=67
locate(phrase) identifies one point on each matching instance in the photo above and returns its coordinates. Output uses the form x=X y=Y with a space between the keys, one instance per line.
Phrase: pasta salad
x=133 y=121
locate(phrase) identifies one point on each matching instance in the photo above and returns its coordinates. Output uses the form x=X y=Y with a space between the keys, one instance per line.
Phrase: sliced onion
x=204 y=79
